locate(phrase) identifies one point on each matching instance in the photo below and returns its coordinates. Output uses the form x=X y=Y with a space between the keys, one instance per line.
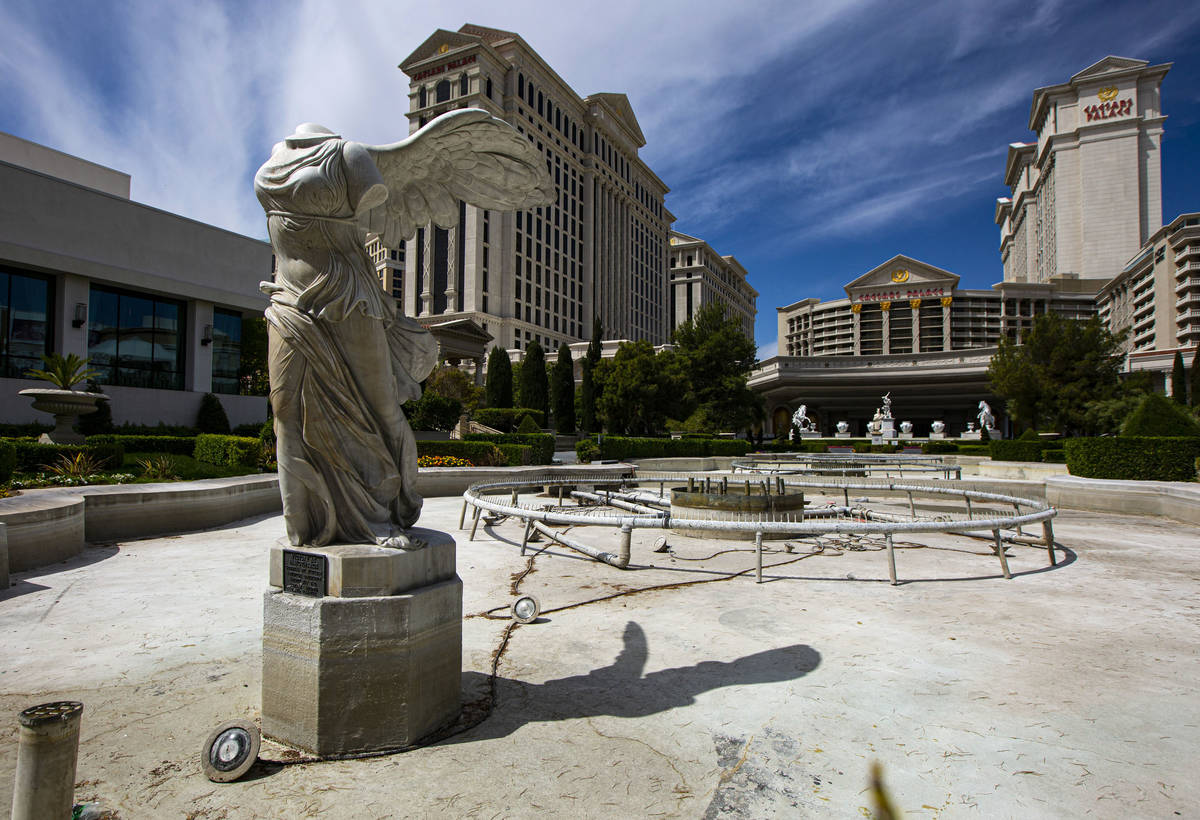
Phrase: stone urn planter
x=66 y=406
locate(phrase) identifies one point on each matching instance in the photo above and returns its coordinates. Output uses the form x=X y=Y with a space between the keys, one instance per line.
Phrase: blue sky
x=812 y=140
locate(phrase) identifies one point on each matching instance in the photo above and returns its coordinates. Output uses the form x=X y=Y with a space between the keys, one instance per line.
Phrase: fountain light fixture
x=206 y=335
x=526 y=609
x=80 y=314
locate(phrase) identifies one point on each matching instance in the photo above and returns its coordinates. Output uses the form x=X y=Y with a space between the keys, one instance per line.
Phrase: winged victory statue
x=341 y=357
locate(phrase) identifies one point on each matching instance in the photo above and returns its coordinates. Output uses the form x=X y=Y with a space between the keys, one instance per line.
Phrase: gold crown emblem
x=1108 y=93
x=899 y=276
x=443 y=48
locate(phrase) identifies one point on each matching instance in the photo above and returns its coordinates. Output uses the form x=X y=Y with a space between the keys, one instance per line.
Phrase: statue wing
x=464 y=155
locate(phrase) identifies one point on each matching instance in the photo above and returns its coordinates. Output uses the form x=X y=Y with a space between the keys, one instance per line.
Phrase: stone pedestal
x=374 y=664
x=971 y=435
x=904 y=436
x=936 y=436
x=846 y=434
x=887 y=428
x=809 y=434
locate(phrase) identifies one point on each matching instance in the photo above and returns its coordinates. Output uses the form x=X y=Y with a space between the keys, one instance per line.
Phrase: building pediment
x=440 y=43
x=899 y=278
x=622 y=111
x=1107 y=66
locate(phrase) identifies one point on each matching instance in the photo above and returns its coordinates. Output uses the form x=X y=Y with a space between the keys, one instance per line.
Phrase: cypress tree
x=499 y=379
x=587 y=388
x=562 y=391
x=535 y=386
x=1194 y=375
x=1179 y=380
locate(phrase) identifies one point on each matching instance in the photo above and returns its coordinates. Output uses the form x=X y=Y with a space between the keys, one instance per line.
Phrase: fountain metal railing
x=638 y=509
x=888 y=465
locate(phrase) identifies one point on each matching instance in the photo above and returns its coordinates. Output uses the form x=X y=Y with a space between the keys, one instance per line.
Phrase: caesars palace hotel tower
x=600 y=250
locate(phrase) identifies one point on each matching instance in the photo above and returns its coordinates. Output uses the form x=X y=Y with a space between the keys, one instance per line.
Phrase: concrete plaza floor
x=1066 y=691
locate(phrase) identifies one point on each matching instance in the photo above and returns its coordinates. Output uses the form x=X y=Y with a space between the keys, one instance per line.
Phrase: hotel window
x=489 y=87
x=521 y=85
x=24 y=321
x=226 y=350
x=422 y=98
x=135 y=339
x=443 y=91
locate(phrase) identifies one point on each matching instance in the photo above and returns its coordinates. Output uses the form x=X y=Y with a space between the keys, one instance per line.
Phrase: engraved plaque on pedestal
x=305 y=573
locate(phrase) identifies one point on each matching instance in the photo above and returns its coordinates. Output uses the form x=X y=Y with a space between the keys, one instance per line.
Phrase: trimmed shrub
x=624 y=447
x=24 y=430
x=528 y=426
x=211 y=418
x=99 y=421
x=479 y=453
x=32 y=457
x=728 y=447
x=252 y=430
x=937 y=447
x=542 y=443
x=1016 y=450
x=227 y=451
x=516 y=455
x=433 y=412
x=1157 y=415
x=974 y=449
x=586 y=450
x=155 y=430
x=180 y=445
x=1054 y=456
x=8 y=460
x=505 y=419
x=1134 y=458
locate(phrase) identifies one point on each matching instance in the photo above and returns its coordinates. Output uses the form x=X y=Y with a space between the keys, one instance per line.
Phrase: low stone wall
x=1173 y=499
x=47 y=526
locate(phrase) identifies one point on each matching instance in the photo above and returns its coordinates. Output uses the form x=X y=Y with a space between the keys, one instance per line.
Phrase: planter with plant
x=62 y=401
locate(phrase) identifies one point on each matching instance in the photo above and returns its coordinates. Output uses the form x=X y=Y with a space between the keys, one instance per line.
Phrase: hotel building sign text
x=888 y=295
x=441 y=69
x=1109 y=106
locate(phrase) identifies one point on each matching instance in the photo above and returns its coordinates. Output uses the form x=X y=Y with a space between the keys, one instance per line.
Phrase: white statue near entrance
x=986 y=420
x=886 y=411
x=800 y=419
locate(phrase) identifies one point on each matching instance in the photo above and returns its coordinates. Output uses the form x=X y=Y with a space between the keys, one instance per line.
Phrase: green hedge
x=542 y=443
x=506 y=419
x=622 y=447
x=32 y=457
x=479 y=453
x=1016 y=450
x=155 y=430
x=1054 y=455
x=8 y=460
x=24 y=430
x=938 y=447
x=975 y=450
x=179 y=445
x=516 y=455
x=227 y=451
x=1134 y=458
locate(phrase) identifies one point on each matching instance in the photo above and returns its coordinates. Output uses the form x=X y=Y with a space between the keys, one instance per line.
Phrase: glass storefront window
x=24 y=321
x=227 y=350
x=135 y=340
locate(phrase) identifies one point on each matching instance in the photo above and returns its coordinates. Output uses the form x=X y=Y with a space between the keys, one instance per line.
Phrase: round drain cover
x=230 y=751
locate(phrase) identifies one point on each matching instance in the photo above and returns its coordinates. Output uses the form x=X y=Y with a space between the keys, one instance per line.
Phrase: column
x=479 y=372
x=451 y=270
x=427 y=272
x=915 y=304
x=856 y=327
x=885 y=315
x=946 y=302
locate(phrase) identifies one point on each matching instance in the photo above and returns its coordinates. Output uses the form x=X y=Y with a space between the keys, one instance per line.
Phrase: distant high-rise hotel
x=599 y=250
x=1081 y=234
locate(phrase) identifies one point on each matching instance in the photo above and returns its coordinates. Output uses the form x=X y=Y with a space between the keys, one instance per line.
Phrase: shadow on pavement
x=622 y=689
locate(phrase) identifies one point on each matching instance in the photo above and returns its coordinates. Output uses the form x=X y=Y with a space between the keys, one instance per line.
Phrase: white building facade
x=700 y=276
x=154 y=301
x=599 y=250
